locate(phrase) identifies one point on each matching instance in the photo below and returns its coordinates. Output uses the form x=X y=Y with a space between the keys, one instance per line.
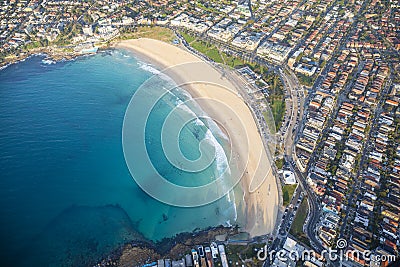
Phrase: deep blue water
x=67 y=197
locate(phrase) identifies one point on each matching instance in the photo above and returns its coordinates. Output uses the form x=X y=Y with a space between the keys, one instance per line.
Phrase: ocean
x=68 y=197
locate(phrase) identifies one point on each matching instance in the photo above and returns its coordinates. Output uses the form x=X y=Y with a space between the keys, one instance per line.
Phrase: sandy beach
x=258 y=183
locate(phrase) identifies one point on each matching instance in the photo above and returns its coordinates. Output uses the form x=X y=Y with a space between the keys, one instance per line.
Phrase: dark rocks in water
x=196 y=134
x=165 y=217
x=217 y=211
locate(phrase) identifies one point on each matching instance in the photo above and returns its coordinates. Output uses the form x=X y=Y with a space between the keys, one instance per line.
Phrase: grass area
x=279 y=163
x=212 y=51
x=232 y=61
x=189 y=38
x=276 y=98
x=306 y=80
x=152 y=32
x=288 y=191
x=297 y=226
x=298 y=223
x=270 y=122
x=207 y=49
x=237 y=253
x=277 y=105
x=201 y=46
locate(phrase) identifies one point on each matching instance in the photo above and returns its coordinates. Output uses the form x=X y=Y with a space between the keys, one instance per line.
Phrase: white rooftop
x=289 y=178
x=290 y=245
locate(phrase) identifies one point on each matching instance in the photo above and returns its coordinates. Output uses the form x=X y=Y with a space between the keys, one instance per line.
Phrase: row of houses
x=320 y=108
x=387 y=183
x=370 y=80
x=334 y=171
x=374 y=219
x=384 y=25
x=320 y=44
x=376 y=222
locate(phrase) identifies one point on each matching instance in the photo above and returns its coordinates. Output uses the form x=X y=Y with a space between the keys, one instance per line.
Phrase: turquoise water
x=67 y=197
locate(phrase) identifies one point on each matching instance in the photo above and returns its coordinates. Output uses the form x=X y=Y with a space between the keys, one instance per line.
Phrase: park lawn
x=277 y=105
x=152 y=32
x=288 y=191
x=301 y=215
x=270 y=122
x=232 y=61
x=279 y=163
x=306 y=80
x=297 y=226
x=207 y=49
x=200 y=46
x=188 y=38
x=276 y=98
x=213 y=53
x=237 y=253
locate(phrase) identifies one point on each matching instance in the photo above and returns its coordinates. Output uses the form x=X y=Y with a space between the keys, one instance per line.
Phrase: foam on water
x=220 y=156
x=199 y=122
x=149 y=68
x=212 y=128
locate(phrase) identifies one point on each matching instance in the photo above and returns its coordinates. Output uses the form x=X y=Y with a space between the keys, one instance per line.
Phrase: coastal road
x=296 y=110
x=297 y=99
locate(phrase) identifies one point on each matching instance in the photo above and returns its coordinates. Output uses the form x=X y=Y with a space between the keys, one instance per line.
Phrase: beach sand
x=258 y=183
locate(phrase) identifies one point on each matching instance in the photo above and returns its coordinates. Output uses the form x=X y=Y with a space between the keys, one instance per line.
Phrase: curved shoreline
x=261 y=204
